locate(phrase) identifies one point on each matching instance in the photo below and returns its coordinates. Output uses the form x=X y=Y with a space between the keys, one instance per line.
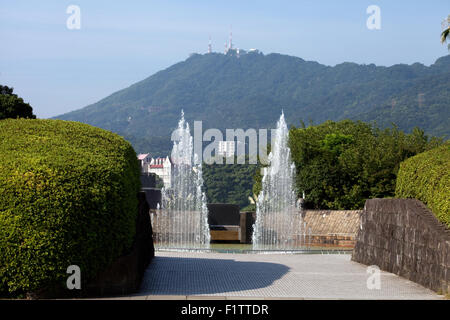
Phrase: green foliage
x=11 y=106
x=257 y=183
x=250 y=91
x=250 y=207
x=229 y=183
x=159 y=146
x=341 y=164
x=159 y=183
x=257 y=176
x=335 y=143
x=426 y=177
x=67 y=197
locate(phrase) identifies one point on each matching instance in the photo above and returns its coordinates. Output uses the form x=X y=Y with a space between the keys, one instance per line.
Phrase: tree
x=341 y=164
x=12 y=106
x=159 y=183
x=446 y=26
x=229 y=183
x=444 y=35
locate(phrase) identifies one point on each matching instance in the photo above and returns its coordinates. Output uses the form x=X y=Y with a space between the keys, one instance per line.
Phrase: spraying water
x=182 y=219
x=278 y=222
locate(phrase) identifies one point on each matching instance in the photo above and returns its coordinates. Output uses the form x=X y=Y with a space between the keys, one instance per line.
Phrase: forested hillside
x=226 y=91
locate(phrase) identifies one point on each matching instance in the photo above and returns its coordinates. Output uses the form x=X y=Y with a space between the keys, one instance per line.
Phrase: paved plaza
x=184 y=275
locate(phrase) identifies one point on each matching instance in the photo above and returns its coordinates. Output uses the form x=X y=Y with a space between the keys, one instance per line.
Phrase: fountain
x=181 y=221
x=278 y=224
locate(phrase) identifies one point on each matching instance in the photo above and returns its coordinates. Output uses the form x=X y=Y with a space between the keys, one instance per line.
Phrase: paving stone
x=165 y=297
x=308 y=276
x=205 y=298
x=138 y=297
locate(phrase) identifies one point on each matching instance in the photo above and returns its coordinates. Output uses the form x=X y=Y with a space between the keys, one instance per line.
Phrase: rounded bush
x=426 y=177
x=68 y=196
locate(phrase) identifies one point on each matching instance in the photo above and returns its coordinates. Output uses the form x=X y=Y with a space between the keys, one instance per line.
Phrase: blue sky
x=121 y=42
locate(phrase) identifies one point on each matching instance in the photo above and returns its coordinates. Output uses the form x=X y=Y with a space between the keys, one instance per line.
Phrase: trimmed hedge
x=68 y=196
x=426 y=177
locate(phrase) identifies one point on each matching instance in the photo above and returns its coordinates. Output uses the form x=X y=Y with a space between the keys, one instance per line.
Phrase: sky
x=57 y=69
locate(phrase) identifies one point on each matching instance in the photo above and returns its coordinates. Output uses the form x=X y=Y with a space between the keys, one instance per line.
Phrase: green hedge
x=68 y=196
x=426 y=177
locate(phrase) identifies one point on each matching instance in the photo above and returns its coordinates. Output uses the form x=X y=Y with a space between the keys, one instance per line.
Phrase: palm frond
x=444 y=35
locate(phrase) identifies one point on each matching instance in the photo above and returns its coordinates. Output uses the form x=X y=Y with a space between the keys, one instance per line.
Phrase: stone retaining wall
x=403 y=236
x=328 y=228
x=332 y=228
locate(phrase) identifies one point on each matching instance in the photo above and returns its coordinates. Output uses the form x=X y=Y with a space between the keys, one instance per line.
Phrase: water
x=182 y=218
x=278 y=224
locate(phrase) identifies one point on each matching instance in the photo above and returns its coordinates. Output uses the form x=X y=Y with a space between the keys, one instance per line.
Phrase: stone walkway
x=182 y=275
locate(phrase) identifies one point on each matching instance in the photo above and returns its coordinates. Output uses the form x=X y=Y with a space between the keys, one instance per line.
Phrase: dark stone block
x=247 y=219
x=223 y=214
x=148 y=180
x=153 y=197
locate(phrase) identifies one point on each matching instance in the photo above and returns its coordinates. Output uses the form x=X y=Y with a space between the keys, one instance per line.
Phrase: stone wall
x=332 y=228
x=403 y=237
x=329 y=228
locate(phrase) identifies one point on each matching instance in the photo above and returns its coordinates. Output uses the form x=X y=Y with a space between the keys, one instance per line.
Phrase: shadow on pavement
x=196 y=276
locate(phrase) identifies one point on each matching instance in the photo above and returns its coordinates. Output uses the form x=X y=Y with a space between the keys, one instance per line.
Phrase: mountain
x=250 y=90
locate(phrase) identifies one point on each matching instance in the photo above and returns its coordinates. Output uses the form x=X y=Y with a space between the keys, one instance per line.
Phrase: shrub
x=68 y=196
x=12 y=106
x=340 y=165
x=426 y=177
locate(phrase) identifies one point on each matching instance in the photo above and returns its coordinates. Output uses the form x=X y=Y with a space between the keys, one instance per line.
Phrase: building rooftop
x=142 y=156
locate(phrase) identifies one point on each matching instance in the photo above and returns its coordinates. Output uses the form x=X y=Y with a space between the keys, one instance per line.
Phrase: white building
x=226 y=149
x=144 y=161
x=162 y=167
